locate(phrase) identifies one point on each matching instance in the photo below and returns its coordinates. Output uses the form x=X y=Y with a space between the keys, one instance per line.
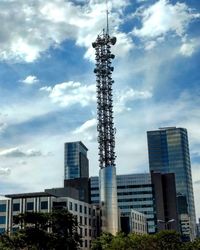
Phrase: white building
x=45 y=202
x=4 y=214
x=138 y=222
x=185 y=226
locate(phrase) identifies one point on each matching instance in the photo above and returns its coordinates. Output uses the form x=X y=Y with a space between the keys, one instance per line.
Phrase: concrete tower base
x=108 y=200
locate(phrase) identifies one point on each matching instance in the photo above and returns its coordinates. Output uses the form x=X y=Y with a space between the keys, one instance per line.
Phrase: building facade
x=45 y=202
x=75 y=161
x=138 y=222
x=134 y=191
x=169 y=153
x=4 y=215
x=164 y=191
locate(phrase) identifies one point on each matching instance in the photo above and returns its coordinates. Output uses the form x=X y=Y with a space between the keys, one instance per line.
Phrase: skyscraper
x=169 y=153
x=106 y=130
x=76 y=167
x=75 y=160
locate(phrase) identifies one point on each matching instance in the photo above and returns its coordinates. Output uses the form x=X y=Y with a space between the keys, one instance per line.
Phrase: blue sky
x=47 y=84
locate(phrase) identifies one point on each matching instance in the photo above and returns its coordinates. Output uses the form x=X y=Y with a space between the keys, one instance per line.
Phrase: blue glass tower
x=76 y=161
x=169 y=153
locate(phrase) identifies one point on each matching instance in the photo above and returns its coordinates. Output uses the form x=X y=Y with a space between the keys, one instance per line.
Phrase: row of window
x=135 y=199
x=86 y=232
x=136 y=206
x=127 y=193
x=82 y=208
x=30 y=206
x=84 y=221
x=138 y=226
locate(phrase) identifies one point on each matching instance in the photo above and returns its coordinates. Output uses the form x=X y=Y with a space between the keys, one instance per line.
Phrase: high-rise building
x=169 y=153
x=77 y=169
x=134 y=191
x=75 y=160
x=164 y=192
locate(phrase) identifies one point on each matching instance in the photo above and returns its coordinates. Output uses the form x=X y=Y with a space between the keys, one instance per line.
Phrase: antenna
x=107 y=21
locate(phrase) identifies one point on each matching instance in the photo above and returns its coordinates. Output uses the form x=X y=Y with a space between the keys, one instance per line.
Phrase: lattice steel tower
x=104 y=82
x=106 y=131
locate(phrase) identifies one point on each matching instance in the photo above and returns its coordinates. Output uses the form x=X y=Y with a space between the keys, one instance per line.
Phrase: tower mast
x=104 y=82
x=106 y=130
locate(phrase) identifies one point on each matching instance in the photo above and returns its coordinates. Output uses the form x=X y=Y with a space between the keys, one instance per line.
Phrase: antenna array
x=104 y=82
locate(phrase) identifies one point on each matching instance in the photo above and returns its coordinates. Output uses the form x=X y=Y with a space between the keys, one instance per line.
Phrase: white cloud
x=123 y=97
x=85 y=126
x=5 y=171
x=18 y=152
x=30 y=80
x=36 y=26
x=163 y=17
x=188 y=48
x=87 y=130
x=69 y=93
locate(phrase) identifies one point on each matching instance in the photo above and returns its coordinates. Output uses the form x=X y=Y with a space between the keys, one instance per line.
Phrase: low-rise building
x=45 y=202
x=138 y=222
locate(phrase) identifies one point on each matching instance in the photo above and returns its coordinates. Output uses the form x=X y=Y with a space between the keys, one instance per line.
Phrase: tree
x=103 y=242
x=44 y=231
x=142 y=242
x=121 y=242
x=169 y=240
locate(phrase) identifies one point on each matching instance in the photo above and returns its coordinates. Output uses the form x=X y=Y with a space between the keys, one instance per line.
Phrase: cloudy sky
x=47 y=84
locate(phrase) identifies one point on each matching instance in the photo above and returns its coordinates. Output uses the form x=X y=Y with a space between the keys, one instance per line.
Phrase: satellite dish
x=94 y=45
x=113 y=40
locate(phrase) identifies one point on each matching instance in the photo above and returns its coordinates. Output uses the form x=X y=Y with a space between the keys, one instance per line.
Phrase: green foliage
x=165 y=240
x=169 y=240
x=43 y=231
x=103 y=242
x=143 y=242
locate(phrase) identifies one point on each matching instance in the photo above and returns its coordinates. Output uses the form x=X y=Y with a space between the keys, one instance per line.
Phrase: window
x=75 y=207
x=85 y=243
x=44 y=205
x=70 y=205
x=2 y=219
x=81 y=220
x=16 y=206
x=81 y=231
x=80 y=208
x=85 y=210
x=85 y=220
x=85 y=231
x=2 y=230
x=29 y=206
x=89 y=222
x=89 y=211
x=2 y=207
x=90 y=232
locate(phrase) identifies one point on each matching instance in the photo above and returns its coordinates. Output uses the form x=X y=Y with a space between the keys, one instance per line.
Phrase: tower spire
x=106 y=129
x=107 y=18
x=104 y=82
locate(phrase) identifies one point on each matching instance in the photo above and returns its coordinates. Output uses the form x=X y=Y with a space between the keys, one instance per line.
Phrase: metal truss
x=104 y=82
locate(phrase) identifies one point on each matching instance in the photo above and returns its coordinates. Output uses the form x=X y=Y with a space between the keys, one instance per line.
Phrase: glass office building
x=134 y=191
x=169 y=153
x=75 y=160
